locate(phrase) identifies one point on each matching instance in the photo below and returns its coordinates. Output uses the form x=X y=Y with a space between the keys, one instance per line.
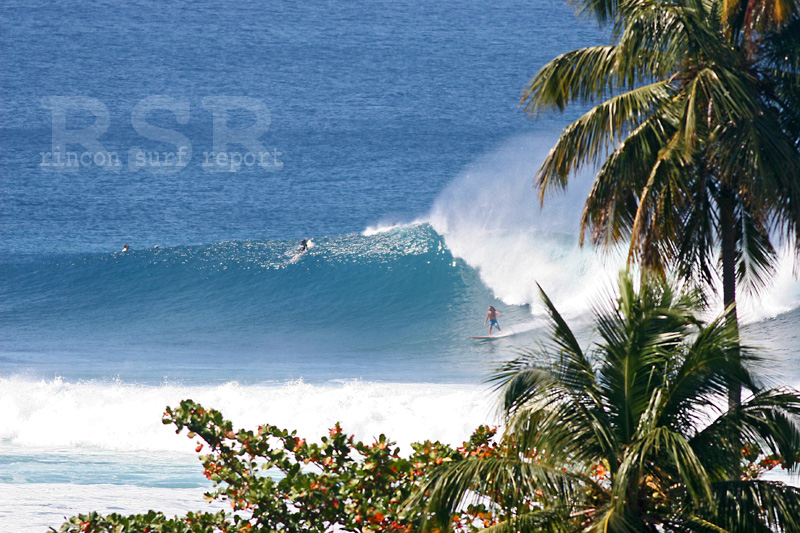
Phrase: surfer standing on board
x=491 y=318
x=303 y=246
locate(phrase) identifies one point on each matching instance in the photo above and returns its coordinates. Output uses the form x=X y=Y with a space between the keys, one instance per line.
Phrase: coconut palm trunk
x=727 y=226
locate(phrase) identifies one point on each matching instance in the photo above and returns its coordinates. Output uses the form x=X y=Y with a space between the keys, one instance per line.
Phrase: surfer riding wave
x=491 y=319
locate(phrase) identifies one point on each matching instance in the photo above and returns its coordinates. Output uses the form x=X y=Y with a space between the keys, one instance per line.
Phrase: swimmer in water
x=491 y=319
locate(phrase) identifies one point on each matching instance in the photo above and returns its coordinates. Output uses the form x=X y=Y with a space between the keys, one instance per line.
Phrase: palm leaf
x=756 y=506
x=592 y=135
x=454 y=485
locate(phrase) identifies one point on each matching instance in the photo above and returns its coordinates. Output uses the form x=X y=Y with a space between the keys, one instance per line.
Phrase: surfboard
x=485 y=337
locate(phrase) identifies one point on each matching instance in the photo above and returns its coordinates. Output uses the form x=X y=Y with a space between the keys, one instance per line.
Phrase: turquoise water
x=404 y=157
x=385 y=306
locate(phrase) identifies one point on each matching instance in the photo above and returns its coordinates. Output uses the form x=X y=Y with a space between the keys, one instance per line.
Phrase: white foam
x=119 y=417
x=490 y=217
x=782 y=293
x=120 y=423
x=384 y=227
x=36 y=507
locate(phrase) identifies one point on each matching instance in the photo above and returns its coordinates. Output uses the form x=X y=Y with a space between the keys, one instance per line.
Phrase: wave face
x=397 y=301
x=247 y=310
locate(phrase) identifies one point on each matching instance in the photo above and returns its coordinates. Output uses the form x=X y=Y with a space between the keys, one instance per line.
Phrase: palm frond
x=701 y=377
x=660 y=443
x=601 y=10
x=613 y=200
x=578 y=75
x=767 y=506
x=594 y=134
x=565 y=432
x=770 y=420
x=537 y=521
x=474 y=480
x=756 y=258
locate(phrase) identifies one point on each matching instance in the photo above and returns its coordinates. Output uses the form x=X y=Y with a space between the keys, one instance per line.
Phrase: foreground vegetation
x=696 y=139
x=632 y=434
x=629 y=435
x=276 y=481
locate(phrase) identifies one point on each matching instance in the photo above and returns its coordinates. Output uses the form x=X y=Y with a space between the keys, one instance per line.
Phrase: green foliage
x=286 y=483
x=276 y=481
x=696 y=136
x=151 y=522
x=630 y=434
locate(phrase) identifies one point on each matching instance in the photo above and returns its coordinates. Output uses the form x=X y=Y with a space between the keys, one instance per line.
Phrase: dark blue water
x=373 y=106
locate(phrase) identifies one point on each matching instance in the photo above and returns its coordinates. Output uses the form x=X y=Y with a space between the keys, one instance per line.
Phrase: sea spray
x=780 y=295
x=490 y=217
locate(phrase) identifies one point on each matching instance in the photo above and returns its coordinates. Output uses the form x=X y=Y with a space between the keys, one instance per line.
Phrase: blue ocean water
x=397 y=146
x=374 y=107
x=374 y=307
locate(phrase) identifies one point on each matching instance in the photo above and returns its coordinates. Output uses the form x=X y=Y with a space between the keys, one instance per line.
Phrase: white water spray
x=490 y=217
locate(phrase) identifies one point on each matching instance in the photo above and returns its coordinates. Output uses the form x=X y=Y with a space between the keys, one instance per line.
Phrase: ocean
x=387 y=133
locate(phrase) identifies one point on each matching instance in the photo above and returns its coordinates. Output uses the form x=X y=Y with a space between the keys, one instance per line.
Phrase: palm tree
x=752 y=18
x=697 y=138
x=628 y=436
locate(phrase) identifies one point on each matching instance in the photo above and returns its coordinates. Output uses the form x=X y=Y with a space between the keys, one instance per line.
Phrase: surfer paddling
x=491 y=319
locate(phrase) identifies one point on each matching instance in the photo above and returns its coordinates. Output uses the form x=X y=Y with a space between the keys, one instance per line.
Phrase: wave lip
x=490 y=217
x=385 y=227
